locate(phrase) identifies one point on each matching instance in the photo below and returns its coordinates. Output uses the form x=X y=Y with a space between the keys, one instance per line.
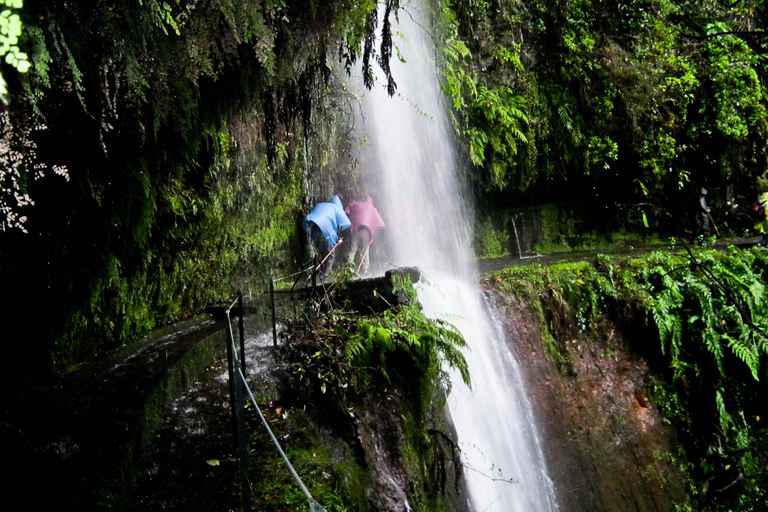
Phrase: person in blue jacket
x=322 y=225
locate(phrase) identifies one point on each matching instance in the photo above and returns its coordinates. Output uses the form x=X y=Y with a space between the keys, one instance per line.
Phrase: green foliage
x=347 y=364
x=707 y=311
x=427 y=344
x=732 y=76
x=161 y=14
x=721 y=300
x=490 y=118
x=358 y=26
x=10 y=30
x=586 y=97
x=490 y=242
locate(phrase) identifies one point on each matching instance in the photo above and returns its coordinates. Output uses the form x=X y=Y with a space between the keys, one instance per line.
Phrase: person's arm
x=342 y=220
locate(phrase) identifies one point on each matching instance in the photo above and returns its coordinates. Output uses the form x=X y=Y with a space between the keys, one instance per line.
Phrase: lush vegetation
x=158 y=155
x=612 y=106
x=700 y=317
x=369 y=383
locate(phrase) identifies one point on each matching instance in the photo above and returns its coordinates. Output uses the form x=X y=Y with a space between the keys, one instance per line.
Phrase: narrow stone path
x=486 y=266
x=79 y=442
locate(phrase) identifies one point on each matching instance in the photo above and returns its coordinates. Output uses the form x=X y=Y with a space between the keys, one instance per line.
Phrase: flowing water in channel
x=421 y=193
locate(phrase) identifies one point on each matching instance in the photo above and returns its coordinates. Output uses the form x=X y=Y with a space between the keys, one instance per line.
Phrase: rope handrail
x=232 y=305
x=314 y=506
x=276 y=279
x=311 y=267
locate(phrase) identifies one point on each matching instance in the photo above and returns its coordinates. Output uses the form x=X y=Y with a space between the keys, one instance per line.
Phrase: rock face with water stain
x=606 y=446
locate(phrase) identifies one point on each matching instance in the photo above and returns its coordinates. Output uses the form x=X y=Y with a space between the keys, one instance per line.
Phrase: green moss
x=328 y=468
x=490 y=241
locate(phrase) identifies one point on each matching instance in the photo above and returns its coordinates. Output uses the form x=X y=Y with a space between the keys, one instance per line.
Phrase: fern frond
x=726 y=421
x=564 y=112
x=743 y=352
x=664 y=311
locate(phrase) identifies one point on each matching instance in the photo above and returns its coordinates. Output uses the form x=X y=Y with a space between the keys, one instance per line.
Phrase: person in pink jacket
x=365 y=221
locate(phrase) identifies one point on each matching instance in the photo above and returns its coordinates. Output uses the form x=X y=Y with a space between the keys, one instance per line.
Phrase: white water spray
x=421 y=194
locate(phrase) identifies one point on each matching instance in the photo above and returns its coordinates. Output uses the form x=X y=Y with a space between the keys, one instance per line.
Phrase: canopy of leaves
x=586 y=101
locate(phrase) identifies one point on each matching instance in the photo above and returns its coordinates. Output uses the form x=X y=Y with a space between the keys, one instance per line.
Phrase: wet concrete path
x=94 y=419
x=190 y=463
x=496 y=264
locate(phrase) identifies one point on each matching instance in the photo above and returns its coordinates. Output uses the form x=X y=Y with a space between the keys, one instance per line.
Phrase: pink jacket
x=363 y=213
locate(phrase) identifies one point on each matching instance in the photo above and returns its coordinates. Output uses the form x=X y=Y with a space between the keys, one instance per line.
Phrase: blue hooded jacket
x=329 y=217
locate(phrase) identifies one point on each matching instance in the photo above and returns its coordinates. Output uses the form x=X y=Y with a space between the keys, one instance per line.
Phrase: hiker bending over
x=365 y=221
x=322 y=226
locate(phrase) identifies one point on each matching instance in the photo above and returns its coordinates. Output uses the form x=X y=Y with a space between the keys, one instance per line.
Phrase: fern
x=407 y=333
x=726 y=421
x=743 y=352
x=490 y=118
x=161 y=14
x=663 y=308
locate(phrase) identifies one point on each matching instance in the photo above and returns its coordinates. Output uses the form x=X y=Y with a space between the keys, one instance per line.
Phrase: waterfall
x=421 y=192
x=517 y=239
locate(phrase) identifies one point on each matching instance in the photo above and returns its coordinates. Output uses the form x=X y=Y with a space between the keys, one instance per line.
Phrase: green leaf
x=642 y=186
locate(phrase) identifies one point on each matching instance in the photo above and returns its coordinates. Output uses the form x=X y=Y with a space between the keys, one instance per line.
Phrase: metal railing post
x=274 y=317
x=242 y=332
x=231 y=371
x=237 y=388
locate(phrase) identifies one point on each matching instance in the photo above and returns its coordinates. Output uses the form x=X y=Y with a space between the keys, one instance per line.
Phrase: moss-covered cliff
x=158 y=155
x=619 y=351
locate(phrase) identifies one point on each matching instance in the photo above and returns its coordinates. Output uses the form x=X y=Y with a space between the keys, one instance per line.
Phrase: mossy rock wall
x=606 y=445
x=650 y=368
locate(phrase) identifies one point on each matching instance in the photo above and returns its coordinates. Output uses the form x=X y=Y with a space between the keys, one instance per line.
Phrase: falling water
x=517 y=239
x=421 y=193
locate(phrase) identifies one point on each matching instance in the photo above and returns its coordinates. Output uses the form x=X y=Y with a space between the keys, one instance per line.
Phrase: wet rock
x=606 y=448
x=378 y=294
x=378 y=434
